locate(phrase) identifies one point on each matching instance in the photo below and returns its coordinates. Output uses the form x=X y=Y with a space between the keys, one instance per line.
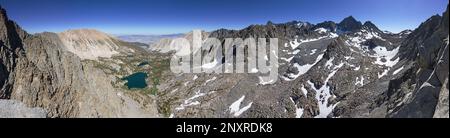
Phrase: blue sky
x=179 y=16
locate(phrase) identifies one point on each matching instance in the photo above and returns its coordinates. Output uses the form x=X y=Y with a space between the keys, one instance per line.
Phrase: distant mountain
x=147 y=39
x=90 y=44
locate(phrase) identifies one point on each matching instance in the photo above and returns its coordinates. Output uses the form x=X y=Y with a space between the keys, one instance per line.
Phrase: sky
x=180 y=16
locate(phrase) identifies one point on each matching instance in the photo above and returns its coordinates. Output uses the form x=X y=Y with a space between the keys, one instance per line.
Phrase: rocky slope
x=165 y=45
x=14 y=109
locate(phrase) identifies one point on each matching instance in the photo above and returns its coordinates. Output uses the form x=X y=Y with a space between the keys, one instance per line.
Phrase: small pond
x=143 y=63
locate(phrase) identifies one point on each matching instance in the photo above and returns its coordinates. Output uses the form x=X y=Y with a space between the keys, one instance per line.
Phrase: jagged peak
x=10 y=28
x=327 y=25
x=350 y=24
x=371 y=25
x=406 y=32
x=2 y=11
x=349 y=19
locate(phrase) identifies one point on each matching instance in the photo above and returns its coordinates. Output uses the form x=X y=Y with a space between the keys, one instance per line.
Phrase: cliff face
x=11 y=50
x=423 y=90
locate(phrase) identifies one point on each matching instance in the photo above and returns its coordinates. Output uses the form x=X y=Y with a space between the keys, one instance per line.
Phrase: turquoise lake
x=136 y=80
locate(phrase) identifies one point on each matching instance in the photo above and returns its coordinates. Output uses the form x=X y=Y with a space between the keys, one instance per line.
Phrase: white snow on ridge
x=294 y=44
x=305 y=92
x=321 y=30
x=359 y=81
x=235 y=107
x=446 y=40
x=299 y=112
x=302 y=69
x=287 y=59
x=357 y=68
x=348 y=57
x=426 y=84
x=364 y=34
x=329 y=63
x=190 y=102
x=195 y=77
x=398 y=70
x=384 y=73
x=385 y=58
x=361 y=37
x=207 y=81
x=295 y=52
x=313 y=52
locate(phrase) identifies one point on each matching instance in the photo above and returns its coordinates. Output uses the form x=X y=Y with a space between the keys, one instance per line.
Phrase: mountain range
x=348 y=69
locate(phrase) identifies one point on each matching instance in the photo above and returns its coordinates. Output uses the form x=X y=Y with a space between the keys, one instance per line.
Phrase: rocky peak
x=327 y=25
x=444 y=23
x=11 y=48
x=8 y=29
x=89 y=44
x=350 y=24
x=370 y=26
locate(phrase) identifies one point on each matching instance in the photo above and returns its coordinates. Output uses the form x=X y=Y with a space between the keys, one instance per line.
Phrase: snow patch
x=382 y=53
x=426 y=84
x=195 y=77
x=304 y=91
x=329 y=63
x=190 y=101
x=324 y=93
x=398 y=70
x=302 y=69
x=298 y=111
x=210 y=80
x=313 y=52
x=321 y=30
x=384 y=73
x=235 y=107
x=287 y=59
x=294 y=44
x=265 y=82
x=359 y=81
